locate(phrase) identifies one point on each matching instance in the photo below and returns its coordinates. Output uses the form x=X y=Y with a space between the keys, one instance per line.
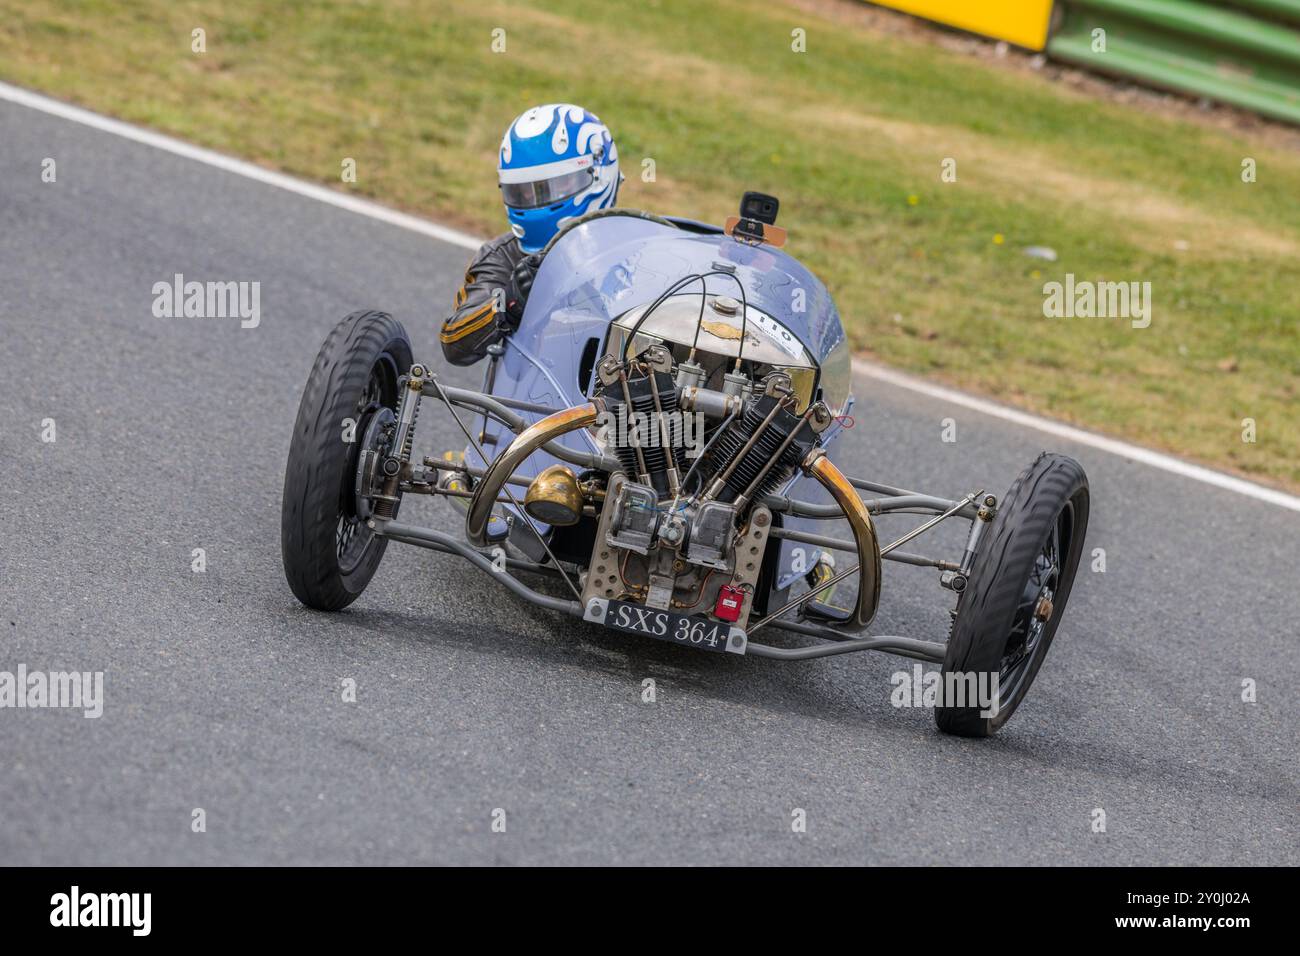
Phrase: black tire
x=1031 y=551
x=329 y=554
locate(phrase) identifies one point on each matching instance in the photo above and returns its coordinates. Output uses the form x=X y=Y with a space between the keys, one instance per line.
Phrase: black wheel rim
x=1036 y=614
x=352 y=539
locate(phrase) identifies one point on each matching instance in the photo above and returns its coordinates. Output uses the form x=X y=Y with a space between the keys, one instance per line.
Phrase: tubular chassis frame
x=886 y=499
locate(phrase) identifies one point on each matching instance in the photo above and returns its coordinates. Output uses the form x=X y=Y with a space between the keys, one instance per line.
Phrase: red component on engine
x=730 y=601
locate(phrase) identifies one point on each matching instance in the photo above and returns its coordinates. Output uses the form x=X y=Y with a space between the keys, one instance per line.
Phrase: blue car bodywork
x=604 y=267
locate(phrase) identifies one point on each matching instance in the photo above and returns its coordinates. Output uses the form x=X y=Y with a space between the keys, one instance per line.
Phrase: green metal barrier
x=1246 y=54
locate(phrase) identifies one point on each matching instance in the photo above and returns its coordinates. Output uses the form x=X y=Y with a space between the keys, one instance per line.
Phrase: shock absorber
x=408 y=410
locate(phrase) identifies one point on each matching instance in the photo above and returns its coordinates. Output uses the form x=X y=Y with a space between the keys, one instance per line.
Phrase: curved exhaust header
x=504 y=465
x=818 y=466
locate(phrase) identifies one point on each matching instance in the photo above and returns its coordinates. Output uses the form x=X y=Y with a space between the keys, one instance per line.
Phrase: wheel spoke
x=1027 y=627
x=343 y=537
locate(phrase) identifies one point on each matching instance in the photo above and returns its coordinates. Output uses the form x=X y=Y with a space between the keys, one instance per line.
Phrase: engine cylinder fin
x=642 y=417
x=764 y=450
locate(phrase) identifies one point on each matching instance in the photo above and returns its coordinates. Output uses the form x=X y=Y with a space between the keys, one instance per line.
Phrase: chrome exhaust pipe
x=504 y=465
x=818 y=466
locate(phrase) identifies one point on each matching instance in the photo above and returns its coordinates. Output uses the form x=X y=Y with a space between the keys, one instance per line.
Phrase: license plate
x=688 y=630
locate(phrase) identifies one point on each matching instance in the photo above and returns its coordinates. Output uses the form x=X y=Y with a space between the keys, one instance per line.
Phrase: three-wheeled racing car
x=659 y=438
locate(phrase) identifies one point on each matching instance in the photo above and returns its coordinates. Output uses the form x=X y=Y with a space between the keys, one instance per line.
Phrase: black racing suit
x=489 y=304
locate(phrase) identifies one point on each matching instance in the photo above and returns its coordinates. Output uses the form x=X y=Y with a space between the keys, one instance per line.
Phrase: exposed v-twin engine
x=684 y=526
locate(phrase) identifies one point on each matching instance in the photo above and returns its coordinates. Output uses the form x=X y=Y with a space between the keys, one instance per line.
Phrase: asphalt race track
x=222 y=693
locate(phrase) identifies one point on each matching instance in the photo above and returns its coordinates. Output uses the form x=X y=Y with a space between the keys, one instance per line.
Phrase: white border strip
x=362 y=207
x=373 y=210
x=1154 y=459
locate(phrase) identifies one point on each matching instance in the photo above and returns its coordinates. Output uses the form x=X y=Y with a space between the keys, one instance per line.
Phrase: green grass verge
x=930 y=276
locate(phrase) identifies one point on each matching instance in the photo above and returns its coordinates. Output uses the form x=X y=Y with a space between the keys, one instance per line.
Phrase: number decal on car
x=642 y=620
x=697 y=632
x=688 y=629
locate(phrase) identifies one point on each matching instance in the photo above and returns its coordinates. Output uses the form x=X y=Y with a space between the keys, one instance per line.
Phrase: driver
x=556 y=162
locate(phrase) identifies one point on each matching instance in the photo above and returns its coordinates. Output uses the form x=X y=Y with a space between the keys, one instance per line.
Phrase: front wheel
x=329 y=553
x=1013 y=602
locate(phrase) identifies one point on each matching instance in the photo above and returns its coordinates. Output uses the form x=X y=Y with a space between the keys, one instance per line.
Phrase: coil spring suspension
x=386 y=504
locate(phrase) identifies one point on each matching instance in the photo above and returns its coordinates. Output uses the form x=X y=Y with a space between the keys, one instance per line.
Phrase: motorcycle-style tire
x=1018 y=588
x=329 y=553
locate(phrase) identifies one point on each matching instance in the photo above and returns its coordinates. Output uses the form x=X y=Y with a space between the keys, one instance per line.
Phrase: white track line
x=373 y=210
x=1146 y=456
x=238 y=167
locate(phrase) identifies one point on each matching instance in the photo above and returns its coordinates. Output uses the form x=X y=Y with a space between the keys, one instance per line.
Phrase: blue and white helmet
x=556 y=162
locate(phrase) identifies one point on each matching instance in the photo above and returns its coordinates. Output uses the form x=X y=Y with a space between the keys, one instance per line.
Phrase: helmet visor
x=546 y=191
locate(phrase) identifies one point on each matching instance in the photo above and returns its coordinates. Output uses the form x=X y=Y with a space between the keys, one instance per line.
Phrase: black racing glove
x=521 y=283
